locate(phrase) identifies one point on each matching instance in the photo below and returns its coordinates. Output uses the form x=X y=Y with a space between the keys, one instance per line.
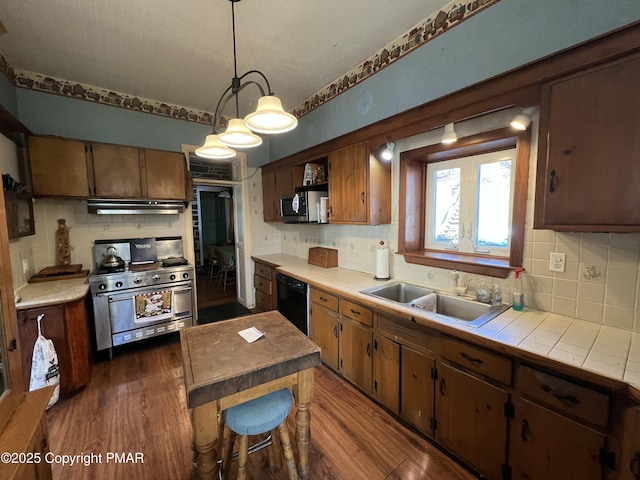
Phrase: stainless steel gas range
x=146 y=293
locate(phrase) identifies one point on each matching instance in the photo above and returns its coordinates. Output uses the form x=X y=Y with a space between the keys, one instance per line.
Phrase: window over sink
x=462 y=206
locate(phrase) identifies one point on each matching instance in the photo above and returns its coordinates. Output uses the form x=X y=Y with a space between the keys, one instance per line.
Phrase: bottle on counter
x=496 y=296
x=518 y=293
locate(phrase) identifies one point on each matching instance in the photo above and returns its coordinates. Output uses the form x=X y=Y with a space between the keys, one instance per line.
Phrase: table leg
x=303 y=392
x=204 y=421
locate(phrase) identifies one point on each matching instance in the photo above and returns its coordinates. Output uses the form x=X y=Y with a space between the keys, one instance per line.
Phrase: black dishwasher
x=292 y=301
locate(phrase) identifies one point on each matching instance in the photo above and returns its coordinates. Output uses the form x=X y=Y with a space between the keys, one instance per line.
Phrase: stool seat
x=261 y=414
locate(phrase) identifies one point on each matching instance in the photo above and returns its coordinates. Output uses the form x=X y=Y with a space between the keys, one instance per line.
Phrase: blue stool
x=255 y=417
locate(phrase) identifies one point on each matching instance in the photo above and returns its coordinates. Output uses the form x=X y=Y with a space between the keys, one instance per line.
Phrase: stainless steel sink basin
x=469 y=312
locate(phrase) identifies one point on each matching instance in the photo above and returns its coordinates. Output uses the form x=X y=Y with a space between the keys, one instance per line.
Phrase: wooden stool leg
x=228 y=454
x=275 y=449
x=243 y=453
x=288 y=452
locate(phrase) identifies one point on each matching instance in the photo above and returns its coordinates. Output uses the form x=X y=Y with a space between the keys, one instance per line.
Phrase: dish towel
x=427 y=302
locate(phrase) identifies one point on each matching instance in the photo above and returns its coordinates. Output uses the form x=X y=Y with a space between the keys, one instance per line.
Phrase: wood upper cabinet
x=324 y=325
x=589 y=150
x=165 y=174
x=130 y=172
x=359 y=187
x=116 y=171
x=274 y=184
x=58 y=167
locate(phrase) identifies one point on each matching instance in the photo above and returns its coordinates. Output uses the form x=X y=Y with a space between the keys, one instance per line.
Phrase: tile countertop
x=608 y=351
x=55 y=292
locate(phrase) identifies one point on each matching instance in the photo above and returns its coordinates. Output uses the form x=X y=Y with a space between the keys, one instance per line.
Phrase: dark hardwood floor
x=136 y=403
x=210 y=292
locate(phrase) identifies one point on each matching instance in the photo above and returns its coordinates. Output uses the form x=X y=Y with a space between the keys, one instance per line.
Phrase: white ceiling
x=180 y=52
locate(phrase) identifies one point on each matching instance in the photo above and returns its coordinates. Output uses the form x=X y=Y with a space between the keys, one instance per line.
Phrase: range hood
x=105 y=206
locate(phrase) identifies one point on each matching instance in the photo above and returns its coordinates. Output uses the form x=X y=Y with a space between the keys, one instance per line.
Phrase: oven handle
x=115 y=297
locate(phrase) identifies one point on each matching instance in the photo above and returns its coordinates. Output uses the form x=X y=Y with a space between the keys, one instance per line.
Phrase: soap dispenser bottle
x=518 y=293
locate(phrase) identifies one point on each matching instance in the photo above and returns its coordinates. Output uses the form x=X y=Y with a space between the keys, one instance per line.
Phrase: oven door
x=141 y=307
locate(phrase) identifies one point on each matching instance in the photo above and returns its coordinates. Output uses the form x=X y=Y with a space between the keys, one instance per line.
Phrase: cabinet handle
x=552 y=181
x=523 y=430
x=477 y=361
x=566 y=399
x=12 y=345
x=369 y=349
x=442 y=386
x=355 y=312
x=362 y=197
x=335 y=331
x=634 y=466
x=322 y=299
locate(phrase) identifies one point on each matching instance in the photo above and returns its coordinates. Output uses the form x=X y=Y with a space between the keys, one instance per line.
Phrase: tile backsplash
x=600 y=283
x=33 y=253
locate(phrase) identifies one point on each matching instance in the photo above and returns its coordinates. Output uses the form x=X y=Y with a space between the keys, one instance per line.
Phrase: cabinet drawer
x=404 y=332
x=264 y=271
x=566 y=396
x=356 y=312
x=262 y=285
x=264 y=302
x=325 y=299
x=477 y=360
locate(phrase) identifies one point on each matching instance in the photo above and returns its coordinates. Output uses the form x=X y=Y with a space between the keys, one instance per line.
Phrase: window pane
x=494 y=191
x=447 y=205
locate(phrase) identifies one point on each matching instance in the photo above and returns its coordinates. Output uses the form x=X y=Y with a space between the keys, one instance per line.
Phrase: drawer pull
x=523 y=430
x=355 y=312
x=566 y=399
x=322 y=299
x=477 y=361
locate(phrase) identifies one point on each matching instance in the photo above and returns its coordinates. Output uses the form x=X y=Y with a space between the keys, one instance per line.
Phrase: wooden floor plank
x=136 y=403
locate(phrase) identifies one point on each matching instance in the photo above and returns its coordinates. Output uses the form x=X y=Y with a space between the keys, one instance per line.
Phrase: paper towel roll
x=382 y=263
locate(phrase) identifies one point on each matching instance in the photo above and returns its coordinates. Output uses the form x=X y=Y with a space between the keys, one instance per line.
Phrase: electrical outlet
x=557 y=262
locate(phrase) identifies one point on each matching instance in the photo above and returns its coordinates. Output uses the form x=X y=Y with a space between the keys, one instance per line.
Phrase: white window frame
x=468 y=215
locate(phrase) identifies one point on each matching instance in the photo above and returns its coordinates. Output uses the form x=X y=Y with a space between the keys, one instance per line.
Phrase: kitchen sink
x=469 y=312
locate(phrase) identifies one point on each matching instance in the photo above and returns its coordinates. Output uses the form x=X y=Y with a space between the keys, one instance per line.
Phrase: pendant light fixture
x=269 y=117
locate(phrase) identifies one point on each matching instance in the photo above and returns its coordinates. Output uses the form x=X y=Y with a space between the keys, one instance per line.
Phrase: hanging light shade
x=270 y=117
x=237 y=135
x=212 y=148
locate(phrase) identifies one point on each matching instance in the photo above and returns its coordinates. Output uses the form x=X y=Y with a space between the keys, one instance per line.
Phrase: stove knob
x=172 y=277
x=137 y=280
x=185 y=275
x=102 y=286
x=155 y=278
x=118 y=284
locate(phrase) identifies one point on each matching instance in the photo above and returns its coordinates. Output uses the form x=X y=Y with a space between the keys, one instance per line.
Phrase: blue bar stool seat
x=255 y=417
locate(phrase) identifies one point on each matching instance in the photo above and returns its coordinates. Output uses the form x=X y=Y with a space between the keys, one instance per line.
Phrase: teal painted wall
x=503 y=37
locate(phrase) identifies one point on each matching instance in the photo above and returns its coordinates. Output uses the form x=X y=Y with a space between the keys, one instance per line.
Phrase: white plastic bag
x=45 y=370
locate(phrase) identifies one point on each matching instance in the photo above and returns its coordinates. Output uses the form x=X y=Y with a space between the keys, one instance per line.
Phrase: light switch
x=25 y=266
x=557 y=262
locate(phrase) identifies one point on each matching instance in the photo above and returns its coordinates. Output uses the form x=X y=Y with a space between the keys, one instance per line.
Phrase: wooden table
x=222 y=369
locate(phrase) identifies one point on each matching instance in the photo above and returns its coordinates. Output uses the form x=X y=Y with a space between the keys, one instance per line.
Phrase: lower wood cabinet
x=386 y=372
x=356 y=343
x=471 y=419
x=264 y=281
x=416 y=388
x=324 y=326
x=67 y=326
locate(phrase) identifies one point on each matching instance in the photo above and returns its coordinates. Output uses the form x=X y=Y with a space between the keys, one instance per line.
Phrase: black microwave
x=303 y=207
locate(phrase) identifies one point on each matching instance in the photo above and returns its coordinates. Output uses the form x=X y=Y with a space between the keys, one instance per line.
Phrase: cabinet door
x=471 y=420
x=52 y=325
x=165 y=175
x=323 y=329
x=284 y=184
x=417 y=388
x=356 y=352
x=348 y=180
x=58 y=167
x=547 y=445
x=116 y=171
x=270 y=202
x=386 y=370
x=589 y=155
